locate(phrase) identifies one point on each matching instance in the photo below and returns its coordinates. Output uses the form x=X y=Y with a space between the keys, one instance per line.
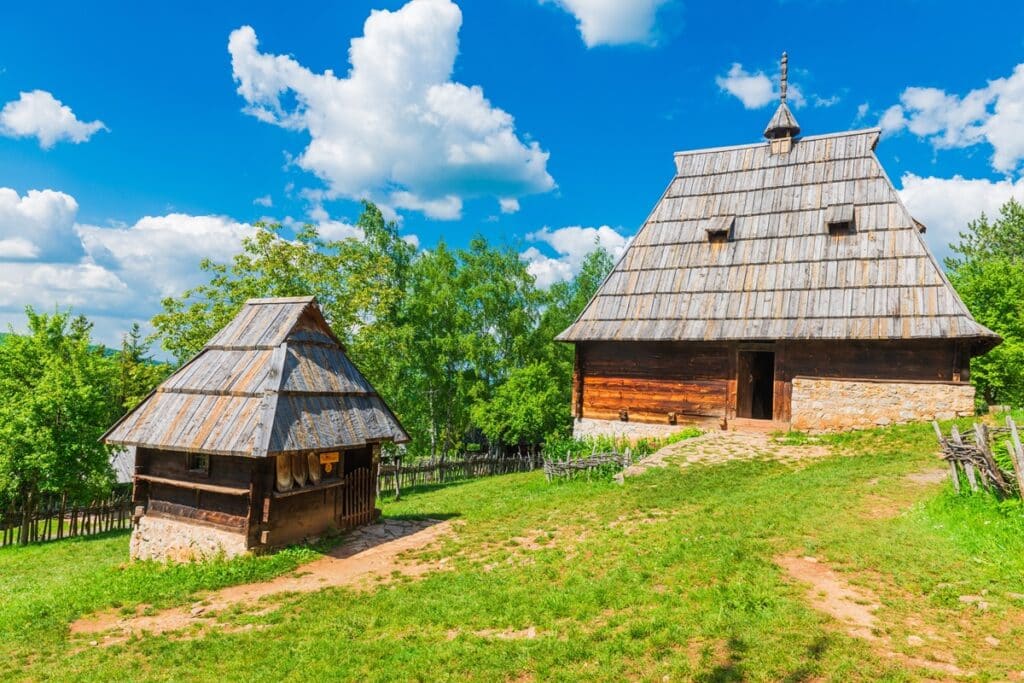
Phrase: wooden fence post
x=954 y=476
x=954 y=435
x=993 y=471
x=1016 y=454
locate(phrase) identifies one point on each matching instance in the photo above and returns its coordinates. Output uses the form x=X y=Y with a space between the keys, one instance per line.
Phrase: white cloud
x=757 y=89
x=396 y=129
x=38 y=226
x=509 y=205
x=615 y=22
x=572 y=244
x=40 y=115
x=264 y=201
x=754 y=90
x=993 y=115
x=159 y=255
x=947 y=205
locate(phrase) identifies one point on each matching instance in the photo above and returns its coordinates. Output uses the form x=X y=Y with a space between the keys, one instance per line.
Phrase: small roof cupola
x=783 y=125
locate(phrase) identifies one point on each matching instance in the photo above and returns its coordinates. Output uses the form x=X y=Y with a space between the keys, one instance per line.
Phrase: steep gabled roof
x=274 y=380
x=781 y=275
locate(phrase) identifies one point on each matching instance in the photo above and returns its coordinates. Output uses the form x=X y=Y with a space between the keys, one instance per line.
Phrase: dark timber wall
x=697 y=381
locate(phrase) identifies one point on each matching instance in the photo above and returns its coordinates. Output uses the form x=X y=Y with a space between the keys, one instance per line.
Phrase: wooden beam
x=195 y=486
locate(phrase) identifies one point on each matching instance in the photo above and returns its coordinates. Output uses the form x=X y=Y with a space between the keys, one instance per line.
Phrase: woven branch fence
x=394 y=475
x=56 y=516
x=556 y=469
x=971 y=458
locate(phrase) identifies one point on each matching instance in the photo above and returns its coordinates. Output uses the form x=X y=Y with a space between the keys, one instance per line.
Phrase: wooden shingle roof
x=274 y=380
x=781 y=275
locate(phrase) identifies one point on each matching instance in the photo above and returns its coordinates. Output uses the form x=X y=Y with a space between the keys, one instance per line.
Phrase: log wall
x=698 y=381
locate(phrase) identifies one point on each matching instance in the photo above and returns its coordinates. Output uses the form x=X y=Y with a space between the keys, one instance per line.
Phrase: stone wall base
x=162 y=539
x=832 y=404
x=587 y=426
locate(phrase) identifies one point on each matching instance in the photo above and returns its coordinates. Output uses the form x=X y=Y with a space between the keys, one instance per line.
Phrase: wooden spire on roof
x=783 y=124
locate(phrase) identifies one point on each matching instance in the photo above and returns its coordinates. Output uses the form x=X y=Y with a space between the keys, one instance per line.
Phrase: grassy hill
x=677 y=575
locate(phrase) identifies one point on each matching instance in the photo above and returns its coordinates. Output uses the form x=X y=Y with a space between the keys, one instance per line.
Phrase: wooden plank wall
x=652 y=379
x=697 y=380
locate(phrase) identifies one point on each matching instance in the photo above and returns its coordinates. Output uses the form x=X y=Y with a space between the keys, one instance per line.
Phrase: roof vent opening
x=839 y=219
x=719 y=229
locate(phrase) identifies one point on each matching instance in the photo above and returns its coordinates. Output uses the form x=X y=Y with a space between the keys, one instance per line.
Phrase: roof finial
x=785 y=75
x=783 y=123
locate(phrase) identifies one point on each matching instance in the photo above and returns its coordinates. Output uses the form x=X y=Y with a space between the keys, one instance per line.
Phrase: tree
x=137 y=372
x=55 y=403
x=529 y=408
x=988 y=273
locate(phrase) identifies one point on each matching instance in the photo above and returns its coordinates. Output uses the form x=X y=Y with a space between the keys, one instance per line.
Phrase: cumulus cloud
x=397 y=129
x=115 y=275
x=993 y=115
x=756 y=89
x=571 y=244
x=159 y=255
x=947 y=205
x=40 y=115
x=38 y=226
x=614 y=22
x=264 y=201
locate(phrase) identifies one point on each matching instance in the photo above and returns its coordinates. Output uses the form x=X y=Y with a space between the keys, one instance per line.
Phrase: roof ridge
x=281 y=300
x=765 y=143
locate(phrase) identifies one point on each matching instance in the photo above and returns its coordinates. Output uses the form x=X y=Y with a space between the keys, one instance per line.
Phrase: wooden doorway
x=755 y=385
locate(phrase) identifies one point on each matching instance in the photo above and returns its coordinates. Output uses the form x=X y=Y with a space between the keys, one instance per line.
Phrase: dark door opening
x=755 y=385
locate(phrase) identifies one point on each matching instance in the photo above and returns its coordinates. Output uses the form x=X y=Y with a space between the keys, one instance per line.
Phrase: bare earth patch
x=854 y=608
x=720 y=447
x=369 y=556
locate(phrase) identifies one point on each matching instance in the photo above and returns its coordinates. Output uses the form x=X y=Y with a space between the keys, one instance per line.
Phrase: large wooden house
x=778 y=281
x=269 y=436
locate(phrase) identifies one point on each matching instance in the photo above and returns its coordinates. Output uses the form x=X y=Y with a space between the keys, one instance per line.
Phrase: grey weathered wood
x=992 y=471
x=1016 y=453
x=781 y=275
x=954 y=435
x=274 y=380
x=954 y=476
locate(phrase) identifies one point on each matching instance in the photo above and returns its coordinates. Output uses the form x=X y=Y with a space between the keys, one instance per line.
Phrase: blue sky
x=133 y=142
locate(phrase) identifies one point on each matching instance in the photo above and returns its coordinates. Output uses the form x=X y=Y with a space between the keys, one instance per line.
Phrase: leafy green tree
x=55 y=403
x=988 y=272
x=530 y=407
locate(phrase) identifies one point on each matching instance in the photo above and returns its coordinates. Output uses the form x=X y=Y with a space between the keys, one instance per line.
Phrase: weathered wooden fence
x=54 y=517
x=394 y=475
x=972 y=458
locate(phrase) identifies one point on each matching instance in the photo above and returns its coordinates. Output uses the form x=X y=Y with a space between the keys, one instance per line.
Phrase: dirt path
x=855 y=609
x=369 y=556
x=719 y=447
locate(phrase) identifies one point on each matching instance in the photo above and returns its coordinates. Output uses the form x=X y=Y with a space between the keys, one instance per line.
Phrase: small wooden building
x=269 y=436
x=780 y=281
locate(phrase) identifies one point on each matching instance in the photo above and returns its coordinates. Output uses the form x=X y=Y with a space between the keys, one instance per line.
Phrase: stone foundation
x=162 y=539
x=832 y=404
x=587 y=426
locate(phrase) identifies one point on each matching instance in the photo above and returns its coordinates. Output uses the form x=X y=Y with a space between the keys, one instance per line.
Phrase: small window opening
x=839 y=218
x=719 y=229
x=199 y=462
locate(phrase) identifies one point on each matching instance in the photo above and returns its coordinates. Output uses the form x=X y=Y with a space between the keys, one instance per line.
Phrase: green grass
x=670 y=575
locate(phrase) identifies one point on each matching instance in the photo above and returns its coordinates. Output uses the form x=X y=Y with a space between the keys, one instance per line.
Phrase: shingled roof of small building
x=781 y=274
x=274 y=380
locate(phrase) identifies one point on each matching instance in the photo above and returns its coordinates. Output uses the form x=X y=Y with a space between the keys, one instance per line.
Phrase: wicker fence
x=972 y=458
x=394 y=475
x=56 y=516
